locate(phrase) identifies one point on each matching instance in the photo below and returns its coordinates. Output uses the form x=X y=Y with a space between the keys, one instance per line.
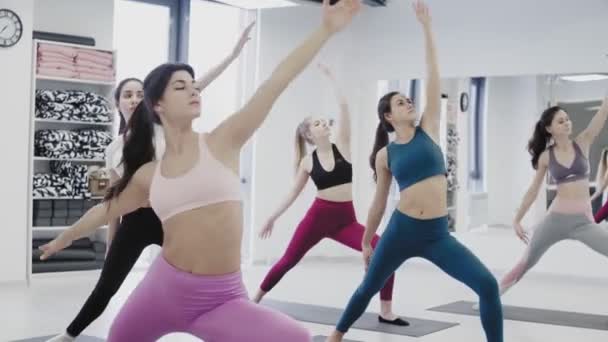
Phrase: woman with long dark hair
x=332 y=214
x=419 y=224
x=195 y=285
x=129 y=236
x=601 y=184
x=570 y=215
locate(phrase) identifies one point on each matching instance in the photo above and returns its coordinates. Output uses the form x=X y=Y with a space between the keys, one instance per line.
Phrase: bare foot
x=258 y=296
x=335 y=336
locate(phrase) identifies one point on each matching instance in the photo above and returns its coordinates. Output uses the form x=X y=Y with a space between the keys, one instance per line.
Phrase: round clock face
x=11 y=28
x=464 y=102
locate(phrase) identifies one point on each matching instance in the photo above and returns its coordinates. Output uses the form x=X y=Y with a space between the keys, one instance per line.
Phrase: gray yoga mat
x=64 y=266
x=542 y=316
x=321 y=338
x=81 y=338
x=368 y=321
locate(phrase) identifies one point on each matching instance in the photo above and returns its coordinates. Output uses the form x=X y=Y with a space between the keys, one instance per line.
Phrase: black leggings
x=137 y=231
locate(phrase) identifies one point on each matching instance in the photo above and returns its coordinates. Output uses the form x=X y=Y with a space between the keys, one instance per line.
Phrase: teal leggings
x=406 y=237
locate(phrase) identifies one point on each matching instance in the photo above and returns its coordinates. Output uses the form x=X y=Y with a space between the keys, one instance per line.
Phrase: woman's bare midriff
x=573 y=198
x=338 y=193
x=426 y=199
x=206 y=240
x=574 y=190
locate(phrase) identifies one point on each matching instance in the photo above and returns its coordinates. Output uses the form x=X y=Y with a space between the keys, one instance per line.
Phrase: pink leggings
x=213 y=308
x=324 y=219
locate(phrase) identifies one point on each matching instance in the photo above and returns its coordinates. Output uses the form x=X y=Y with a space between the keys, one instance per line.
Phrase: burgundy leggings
x=601 y=214
x=324 y=219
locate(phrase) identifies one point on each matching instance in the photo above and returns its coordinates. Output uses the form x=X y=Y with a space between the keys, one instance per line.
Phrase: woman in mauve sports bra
x=195 y=285
x=332 y=214
x=570 y=215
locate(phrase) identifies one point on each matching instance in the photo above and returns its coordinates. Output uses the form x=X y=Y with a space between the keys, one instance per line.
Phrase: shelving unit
x=73 y=160
x=65 y=207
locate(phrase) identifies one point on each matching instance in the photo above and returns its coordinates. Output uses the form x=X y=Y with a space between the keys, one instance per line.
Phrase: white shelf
x=66 y=198
x=64 y=274
x=79 y=46
x=75 y=80
x=71 y=122
x=59 y=228
x=40 y=163
x=76 y=160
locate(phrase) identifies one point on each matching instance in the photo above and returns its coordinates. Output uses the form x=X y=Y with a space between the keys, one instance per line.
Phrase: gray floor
x=51 y=302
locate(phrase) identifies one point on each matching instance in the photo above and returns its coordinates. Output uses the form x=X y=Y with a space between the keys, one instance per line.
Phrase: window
x=136 y=58
x=215 y=28
x=477 y=121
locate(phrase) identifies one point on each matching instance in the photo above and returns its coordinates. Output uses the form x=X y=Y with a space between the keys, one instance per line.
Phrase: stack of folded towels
x=72 y=62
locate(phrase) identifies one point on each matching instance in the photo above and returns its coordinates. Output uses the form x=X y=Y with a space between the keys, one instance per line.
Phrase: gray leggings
x=554 y=228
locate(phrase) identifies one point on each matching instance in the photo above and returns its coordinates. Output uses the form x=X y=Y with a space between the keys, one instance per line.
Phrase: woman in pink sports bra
x=195 y=285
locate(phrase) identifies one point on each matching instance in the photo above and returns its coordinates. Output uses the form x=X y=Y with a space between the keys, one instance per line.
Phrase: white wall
x=89 y=18
x=512 y=111
x=482 y=38
x=16 y=81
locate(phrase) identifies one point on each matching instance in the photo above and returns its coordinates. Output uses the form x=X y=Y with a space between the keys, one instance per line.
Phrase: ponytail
x=384 y=127
x=541 y=137
x=138 y=148
x=602 y=166
x=301 y=140
x=379 y=143
x=300 y=151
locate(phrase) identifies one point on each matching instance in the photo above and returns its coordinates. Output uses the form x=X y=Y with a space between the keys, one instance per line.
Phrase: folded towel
x=98 y=72
x=63 y=50
x=58 y=65
x=56 y=72
x=105 y=56
x=93 y=59
x=91 y=65
x=54 y=57
x=95 y=77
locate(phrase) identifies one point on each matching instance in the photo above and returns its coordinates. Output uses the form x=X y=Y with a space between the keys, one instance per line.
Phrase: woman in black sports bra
x=332 y=214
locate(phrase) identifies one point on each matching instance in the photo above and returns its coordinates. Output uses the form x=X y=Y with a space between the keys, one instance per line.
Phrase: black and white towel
x=75 y=105
x=52 y=185
x=65 y=144
x=65 y=180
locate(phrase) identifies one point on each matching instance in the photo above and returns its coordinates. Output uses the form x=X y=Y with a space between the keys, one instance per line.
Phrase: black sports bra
x=341 y=174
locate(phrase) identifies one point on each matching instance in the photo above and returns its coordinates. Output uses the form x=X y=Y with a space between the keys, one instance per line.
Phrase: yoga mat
x=321 y=338
x=542 y=316
x=368 y=321
x=81 y=338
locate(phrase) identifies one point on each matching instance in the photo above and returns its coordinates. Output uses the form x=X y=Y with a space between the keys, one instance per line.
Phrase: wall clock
x=464 y=102
x=11 y=28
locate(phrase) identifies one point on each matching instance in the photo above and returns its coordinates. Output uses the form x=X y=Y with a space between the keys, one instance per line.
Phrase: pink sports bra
x=208 y=182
